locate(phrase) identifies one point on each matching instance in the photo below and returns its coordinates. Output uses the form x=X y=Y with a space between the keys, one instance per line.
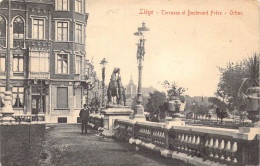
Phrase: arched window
x=18 y=29
x=2 y=27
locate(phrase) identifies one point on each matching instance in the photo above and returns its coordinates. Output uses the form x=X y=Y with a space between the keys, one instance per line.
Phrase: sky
x=179 y=48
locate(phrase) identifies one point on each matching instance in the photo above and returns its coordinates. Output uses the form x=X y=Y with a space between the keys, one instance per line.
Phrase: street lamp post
x=103 y=65
x=7 y=111
x=139 y=112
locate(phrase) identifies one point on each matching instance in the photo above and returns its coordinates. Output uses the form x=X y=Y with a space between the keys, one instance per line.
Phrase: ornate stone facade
x=47 y=57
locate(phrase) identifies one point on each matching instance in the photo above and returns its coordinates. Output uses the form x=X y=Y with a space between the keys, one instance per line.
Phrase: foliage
x=253 y=70
x=220 y=106
x=95 y=104
x=173 y=89
x=202 y=111
x=198 y=110
x=156 y=103
x=231 y=79
x=217 y=103
x=133 y=105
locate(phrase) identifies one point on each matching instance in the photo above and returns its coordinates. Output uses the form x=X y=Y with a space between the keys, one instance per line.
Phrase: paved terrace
x=65 y=146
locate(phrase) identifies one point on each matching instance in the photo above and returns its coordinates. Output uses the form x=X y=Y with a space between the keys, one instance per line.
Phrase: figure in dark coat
x=84 y=116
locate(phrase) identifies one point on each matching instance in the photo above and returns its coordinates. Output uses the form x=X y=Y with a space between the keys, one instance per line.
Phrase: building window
x=18 y=97
x=39 y=61
x=62 y=63
x=38 y=28
x=78 y=94
x=62 y=5
x=18 y=63
x=2 y=62
x=78 y=33
x=62 y=31
x=78 y=64
x=62 y=97
x=78 y=6
x=18 y=28
x=2 y=27
x=2 y=90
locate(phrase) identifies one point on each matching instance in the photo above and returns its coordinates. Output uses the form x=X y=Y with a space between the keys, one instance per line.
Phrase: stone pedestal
x=139 y=113
x=7 y=110
x=175 y=114
x=111 y=114
x=253 y=105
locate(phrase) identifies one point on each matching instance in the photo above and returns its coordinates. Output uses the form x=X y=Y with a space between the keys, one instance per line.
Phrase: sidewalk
x=66 y=146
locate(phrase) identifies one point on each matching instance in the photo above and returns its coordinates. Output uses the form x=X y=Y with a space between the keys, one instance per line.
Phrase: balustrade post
x=254 y=151
x=246 y=155
x=242 y=152
x=151 y=135
x=202 y=147
x=167 y=140
x=133 y=131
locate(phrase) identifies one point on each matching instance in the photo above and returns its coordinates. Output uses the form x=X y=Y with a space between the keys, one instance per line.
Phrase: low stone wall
x=194 y=144
x=227 y=123
x=197 y=145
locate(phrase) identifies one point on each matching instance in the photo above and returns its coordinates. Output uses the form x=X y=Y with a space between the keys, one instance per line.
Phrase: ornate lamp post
x=103 y=65
x=139 y=112
x=7 y=111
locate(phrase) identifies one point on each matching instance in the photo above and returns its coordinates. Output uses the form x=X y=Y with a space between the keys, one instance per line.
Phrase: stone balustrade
x=227 y=123
x=207 y=144
x=25 y=118
x=125 y=129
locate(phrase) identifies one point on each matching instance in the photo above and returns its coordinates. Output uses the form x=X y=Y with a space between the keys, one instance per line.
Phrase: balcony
x=18 y=43
x=39 y=75
x=35 y=44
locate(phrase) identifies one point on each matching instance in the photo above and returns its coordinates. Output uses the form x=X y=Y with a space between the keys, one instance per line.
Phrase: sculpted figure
x=115 y=88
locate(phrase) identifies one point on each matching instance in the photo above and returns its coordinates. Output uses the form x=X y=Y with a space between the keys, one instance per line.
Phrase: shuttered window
x=78 y=98
x=62 y=97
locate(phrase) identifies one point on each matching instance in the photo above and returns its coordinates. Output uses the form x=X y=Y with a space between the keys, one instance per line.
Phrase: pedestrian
x=84 y=116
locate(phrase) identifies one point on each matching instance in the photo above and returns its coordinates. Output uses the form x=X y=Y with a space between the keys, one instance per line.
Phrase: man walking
x=84 y=116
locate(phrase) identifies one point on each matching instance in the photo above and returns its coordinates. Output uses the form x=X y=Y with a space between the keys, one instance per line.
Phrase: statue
x=116 y=89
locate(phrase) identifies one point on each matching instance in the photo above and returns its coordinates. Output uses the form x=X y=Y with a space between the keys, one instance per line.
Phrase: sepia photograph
x=129 y=82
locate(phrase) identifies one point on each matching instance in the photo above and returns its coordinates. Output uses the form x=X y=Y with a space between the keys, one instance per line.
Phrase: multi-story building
x=47 y=57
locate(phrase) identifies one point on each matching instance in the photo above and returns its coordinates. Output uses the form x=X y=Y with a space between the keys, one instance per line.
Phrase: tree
x=253 y=71
x=231 y=78
x=173 y=89
x=202 y=111
x=221 y=108
x=156 y=100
